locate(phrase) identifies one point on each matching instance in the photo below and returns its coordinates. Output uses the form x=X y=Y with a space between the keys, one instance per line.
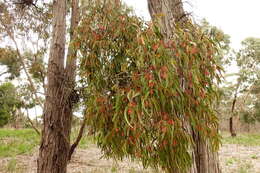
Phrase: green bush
x=9 y=101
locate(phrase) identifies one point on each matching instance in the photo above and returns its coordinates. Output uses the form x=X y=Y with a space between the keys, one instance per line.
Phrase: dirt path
x=83 y=161
x=233 y=159
x=240 y=159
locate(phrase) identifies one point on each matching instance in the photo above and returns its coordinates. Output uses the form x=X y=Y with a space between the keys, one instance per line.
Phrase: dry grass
x=238 y=155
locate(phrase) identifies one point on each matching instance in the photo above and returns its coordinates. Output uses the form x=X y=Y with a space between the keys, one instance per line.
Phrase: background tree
x=19 y=23
x=247 y=59
x=9 y=103
x=8 y=58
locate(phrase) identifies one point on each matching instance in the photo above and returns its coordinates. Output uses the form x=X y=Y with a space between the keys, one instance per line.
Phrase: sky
x=237 y=18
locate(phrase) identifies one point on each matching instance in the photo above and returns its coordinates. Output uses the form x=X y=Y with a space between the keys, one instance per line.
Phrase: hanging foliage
x=141 y=89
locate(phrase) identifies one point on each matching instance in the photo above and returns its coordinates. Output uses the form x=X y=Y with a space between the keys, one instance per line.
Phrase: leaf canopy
x=141 y=91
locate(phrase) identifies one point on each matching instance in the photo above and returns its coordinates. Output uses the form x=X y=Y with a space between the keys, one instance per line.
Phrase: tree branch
x=32 y=125
x=21 y=59
x=3 y=73
x=76 y=143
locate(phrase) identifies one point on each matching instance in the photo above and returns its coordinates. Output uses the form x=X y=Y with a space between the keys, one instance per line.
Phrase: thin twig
x=27 y=74
x=24 y=67
x=32 y=125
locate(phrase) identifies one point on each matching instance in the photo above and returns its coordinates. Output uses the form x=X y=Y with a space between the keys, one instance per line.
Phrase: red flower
x=164 y=69
x=155 y=47
x=164 y=72
x=132 y=104
x=165 y=142
x=163 y=75
x=148 y=76
x=130 y=111
x=174 y=142
x=171 y=122
x=206 y=72
x=194 y=50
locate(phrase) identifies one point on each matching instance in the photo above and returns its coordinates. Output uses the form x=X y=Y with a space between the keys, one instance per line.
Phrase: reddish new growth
x=164 y=72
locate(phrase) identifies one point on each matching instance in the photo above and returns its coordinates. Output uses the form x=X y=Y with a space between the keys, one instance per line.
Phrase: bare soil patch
x=240 y=159
x=233 y=159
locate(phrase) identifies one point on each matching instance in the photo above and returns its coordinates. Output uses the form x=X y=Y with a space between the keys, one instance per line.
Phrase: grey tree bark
x=167 y=13
x=57 y=115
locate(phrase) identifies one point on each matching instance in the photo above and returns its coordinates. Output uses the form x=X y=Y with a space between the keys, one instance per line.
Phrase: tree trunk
x=231 y=127
x=57 y=115
x=55 y=135
x=206 y=160
x=71 y=70
x=169 y=12
x=231 y=119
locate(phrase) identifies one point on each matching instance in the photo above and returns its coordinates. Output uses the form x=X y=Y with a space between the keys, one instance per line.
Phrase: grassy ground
x=243 y=139
x=18 y=153
x=23 y=141
x=15 y=142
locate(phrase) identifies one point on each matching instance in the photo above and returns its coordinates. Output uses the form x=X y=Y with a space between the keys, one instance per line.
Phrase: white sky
x=237 y=18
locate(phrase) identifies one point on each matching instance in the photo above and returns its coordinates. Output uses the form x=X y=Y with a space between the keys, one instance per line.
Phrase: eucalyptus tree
x=24 y=32
x=60 y=95
x=25 y=26
x=173 y=13
x=9 y=103
x=241 y=92
x=248 y=60
x=150 y=87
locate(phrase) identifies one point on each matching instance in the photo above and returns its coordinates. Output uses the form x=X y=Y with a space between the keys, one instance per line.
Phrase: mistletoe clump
x=145 y=95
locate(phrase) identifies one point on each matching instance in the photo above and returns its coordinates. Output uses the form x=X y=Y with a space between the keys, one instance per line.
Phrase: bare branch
x=31 y=123
x=3 y=73
x=76 y=143
x=21 y=59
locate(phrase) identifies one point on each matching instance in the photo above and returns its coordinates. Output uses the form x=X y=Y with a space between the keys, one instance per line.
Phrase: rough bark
x=206 y=160
x=72 y=53
x=71 y=71
x=57 y=116
x=231 y=127
x=167 y=13
x=55 y=142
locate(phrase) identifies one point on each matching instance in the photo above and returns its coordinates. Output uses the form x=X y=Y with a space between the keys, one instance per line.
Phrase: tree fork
x=58 y=108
